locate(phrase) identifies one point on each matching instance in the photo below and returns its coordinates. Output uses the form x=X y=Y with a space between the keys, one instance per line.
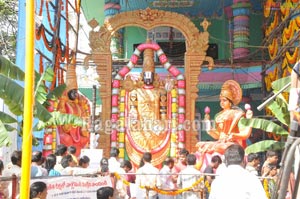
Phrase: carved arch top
x=196 y=41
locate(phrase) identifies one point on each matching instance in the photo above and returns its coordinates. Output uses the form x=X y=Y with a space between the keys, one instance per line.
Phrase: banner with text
x=74 y=187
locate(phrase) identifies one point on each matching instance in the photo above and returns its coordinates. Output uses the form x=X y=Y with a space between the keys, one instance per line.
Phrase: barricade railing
x=66 y=183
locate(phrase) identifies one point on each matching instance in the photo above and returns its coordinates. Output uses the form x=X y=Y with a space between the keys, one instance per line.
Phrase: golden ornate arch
x=196 y=46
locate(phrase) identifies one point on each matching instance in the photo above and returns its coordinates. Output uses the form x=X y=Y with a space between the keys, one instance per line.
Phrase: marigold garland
x=266 y=187
x=167 y=192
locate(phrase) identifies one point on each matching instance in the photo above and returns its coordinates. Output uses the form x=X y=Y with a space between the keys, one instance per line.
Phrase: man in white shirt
x=113 y=164
x=188 y=176
x=235 y=182
x=167 y=178
x=147 y=176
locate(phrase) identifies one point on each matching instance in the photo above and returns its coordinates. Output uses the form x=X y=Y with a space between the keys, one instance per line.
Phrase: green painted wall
x=93 y=9
x=133 y=35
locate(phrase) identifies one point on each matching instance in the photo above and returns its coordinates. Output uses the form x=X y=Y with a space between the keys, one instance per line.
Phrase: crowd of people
x=175 y=179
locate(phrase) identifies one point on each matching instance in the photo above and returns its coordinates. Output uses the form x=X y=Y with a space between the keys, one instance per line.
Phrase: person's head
x=38 y=190
x=84 y=161
x=182 y=155
x=253 y=158
x=105 y=193
x=103 y=161
x=37 y=157
x=50 y=162
x=61 y=150
x=104 y=170
x=72 y=150
x=72 y=94
x=234 y=155
x=16 y=158
x=273 y=170
x=216 y=161
x=272 y=157
x=126 y=165
x=114 y=152
x=147 y=157
x=67 y=161
x=191 y=159
x=169 y=162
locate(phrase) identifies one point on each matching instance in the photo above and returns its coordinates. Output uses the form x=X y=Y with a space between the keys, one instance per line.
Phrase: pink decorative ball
x=247 y=107
x=207 y=110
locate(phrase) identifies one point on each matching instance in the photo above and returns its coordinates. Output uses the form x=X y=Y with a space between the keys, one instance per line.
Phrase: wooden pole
x=28 y=101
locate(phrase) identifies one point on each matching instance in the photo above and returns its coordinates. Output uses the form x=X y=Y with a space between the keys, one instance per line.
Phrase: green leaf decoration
x=280 y=83
x=264 y=145
x=9 y=128
x=10 y=70
x=12 y=94
x=41 y=90
x=5 y=118
x=5 y=140
x=61 y=119
x=262 y=124
x=279 y=108
x=41 y=112
x=57 y=92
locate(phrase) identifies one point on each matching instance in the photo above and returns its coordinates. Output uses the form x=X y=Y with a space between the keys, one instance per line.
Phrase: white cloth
x=221 y=168
x=251 y=169
x=120 y=188
x=293 y=99
x=166 y=178
x=147 y=175
x=113 y=164
x=187 y=177
x=235 y=183
x=10 y=170
x=67 y=171
x=84 y=171
x=58 y=166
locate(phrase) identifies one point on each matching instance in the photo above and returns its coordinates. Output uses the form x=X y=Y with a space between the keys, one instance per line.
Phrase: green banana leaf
x=264 y=145
x=5 y=118
x=279 y=108
x=57 y=92
x=5 y=140
x=40 y=93
x=12 y=94
x=10 y=70
x=263 y=124
x=58 y=119
x=280 y=83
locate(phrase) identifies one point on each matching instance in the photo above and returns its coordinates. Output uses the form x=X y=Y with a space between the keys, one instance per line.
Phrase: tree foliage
x=8 y=28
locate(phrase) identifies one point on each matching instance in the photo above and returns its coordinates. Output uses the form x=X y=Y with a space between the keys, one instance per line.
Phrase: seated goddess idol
x=226 y=130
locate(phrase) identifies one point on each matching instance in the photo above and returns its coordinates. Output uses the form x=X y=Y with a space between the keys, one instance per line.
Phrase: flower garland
x=266 y=187
x=207 y=185
x=169 y=192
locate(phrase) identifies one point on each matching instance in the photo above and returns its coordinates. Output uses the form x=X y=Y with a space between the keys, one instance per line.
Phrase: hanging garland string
x=49 y=18
x=168 y=192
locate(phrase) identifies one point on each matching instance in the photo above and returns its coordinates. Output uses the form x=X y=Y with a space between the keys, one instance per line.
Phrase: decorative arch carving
x=196 y=46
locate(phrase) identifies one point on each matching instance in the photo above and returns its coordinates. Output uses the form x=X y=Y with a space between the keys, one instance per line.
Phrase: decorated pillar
x=241 y=12
x=111 y=8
